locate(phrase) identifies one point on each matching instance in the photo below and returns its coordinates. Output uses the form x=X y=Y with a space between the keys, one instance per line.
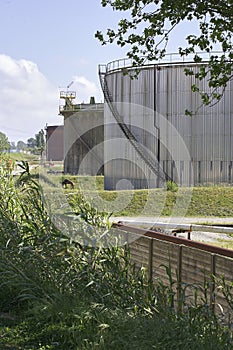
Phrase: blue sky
x=44 y=45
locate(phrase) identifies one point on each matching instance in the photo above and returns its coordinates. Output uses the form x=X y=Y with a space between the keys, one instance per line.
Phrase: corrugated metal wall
x=158 y=96
x=83 y=142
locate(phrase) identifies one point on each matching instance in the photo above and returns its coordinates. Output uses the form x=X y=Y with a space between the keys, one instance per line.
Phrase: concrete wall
x=83 y=141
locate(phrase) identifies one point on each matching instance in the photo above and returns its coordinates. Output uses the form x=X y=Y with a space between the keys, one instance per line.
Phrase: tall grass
x=58 y=293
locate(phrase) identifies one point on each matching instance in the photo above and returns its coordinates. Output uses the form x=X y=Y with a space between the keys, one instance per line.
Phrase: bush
x=171 y=186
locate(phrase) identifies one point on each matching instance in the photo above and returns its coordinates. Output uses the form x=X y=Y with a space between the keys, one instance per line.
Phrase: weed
x=171 y=186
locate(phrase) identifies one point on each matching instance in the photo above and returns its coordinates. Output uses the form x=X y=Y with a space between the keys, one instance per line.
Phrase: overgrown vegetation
x=58 y=293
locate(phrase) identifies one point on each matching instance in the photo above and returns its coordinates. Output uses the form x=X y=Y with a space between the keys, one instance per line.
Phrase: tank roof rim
x=127 y=63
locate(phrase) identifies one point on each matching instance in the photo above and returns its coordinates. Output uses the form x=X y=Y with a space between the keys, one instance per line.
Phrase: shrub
x=171 y=186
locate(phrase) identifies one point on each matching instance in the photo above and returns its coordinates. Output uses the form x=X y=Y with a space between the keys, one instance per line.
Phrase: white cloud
x=85 y=89
x=27 y=100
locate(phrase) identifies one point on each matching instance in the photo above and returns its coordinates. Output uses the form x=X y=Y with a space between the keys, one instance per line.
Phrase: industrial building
x=83 y=136
x=148 y=137
x=54 y=143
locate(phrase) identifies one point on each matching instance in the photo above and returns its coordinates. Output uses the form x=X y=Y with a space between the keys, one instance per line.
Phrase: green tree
x=40 y=139
x=37 y=143
x=31 y=143
x=148 y=24
x=21 y=146
x=4 y=142
x=12 y=145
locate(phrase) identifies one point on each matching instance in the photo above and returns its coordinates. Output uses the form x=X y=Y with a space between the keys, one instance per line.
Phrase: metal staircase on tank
x=152 y=164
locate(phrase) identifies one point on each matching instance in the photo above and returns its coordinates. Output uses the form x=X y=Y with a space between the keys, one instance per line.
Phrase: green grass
x=211 y=201
x=96 y=328
x=23 y=156
x=205 y=201
x=224 y=243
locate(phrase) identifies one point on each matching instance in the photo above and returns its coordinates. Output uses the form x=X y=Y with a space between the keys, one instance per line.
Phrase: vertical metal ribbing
x=129 y=135
x=208 y=134
x=156 y=68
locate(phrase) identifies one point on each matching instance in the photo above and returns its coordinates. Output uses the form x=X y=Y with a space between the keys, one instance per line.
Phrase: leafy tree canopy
x=148 y=24
x=4 y=142
x=31 y=143
x=40 y=139
x=21 y=145
x=37 y=144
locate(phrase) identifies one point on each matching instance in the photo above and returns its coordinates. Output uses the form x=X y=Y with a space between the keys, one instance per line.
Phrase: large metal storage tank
x=83 y=139
x=190 y=150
